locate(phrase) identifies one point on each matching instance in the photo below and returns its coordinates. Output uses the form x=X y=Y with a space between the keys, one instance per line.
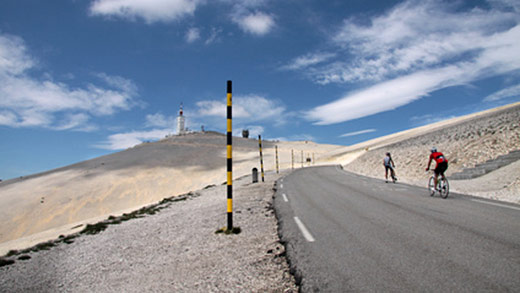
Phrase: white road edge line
x=285 y=197
x=304 y=230
x=496 y=204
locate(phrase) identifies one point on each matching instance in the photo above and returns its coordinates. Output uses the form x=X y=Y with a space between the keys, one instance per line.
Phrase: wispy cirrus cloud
x=214 y=36
x=354 y=133
x=308 y=60
x=414 y=49
x=29 y=101
x=509 y=92
x=413 y=36
x=385 y=96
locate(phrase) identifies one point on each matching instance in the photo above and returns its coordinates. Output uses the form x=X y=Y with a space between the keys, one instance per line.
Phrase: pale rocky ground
x=174 y=250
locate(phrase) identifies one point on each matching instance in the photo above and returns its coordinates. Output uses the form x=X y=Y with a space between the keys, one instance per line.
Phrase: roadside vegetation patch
x=6 y=262
x=225 y=230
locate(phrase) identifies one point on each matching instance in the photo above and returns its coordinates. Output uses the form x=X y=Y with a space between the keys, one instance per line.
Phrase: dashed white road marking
x=281 y=185
x=496 y=204
x=305 y=232
x=285 y=197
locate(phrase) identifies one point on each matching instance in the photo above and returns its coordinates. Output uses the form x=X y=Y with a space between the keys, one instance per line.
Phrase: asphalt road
x=345 y=232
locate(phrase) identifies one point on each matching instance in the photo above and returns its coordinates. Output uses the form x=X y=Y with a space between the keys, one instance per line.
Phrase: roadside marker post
x=292 y=159
x=261 y=157
x=229 y=158
x=302 y=159
x=277 y=166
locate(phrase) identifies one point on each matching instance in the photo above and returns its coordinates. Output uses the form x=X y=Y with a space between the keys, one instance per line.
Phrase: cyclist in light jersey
x=389 y=165
x=441 y=167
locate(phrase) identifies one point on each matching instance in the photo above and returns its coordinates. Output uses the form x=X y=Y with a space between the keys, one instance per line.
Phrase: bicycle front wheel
x=431 y=186
x=445 y=188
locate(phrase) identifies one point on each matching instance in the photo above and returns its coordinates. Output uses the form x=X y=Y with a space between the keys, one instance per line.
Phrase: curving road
x=345 y=232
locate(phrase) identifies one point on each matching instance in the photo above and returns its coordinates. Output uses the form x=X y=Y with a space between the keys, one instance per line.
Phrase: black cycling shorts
x=441 y=168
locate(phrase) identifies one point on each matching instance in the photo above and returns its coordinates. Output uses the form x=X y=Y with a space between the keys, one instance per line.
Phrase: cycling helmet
x=434 y=149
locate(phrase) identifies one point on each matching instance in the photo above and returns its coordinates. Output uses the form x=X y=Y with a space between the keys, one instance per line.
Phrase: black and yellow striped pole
x=277 y=167
x=229 y=160
x=261 y=157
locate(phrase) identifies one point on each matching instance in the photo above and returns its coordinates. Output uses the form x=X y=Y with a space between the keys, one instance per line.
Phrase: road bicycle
x=392 y=175
x=443 y=187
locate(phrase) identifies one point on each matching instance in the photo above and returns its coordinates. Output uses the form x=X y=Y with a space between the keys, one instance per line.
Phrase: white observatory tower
x=180 y=123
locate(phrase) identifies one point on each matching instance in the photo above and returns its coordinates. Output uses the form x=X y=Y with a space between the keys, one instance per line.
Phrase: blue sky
x=80 y=79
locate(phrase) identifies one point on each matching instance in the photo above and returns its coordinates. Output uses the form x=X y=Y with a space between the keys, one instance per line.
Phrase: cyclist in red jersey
x=442 y=164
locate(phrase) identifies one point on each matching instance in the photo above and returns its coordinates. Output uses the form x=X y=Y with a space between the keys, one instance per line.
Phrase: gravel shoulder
x=173 y=250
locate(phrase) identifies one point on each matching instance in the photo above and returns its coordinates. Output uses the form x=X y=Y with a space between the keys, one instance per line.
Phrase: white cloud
x=249 y=108
x=505 y=93
x=77 y=121
x=161 y=127
x=192 y=35
x=212 y=108
x=416 y=49
x=149 y=10
x=7 y=118
x=29 y=102
x=413 y=36
x=308 y=60
x=126 y=140
x=14 y=59
x=257 y=23
x=357 y=132
x=118 y=82
x=214 y=36
x=159 y=120
x=386 y=96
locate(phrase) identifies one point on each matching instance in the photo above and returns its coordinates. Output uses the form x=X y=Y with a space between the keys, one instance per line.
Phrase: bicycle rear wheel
x=445 y=188
x=431 y=186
